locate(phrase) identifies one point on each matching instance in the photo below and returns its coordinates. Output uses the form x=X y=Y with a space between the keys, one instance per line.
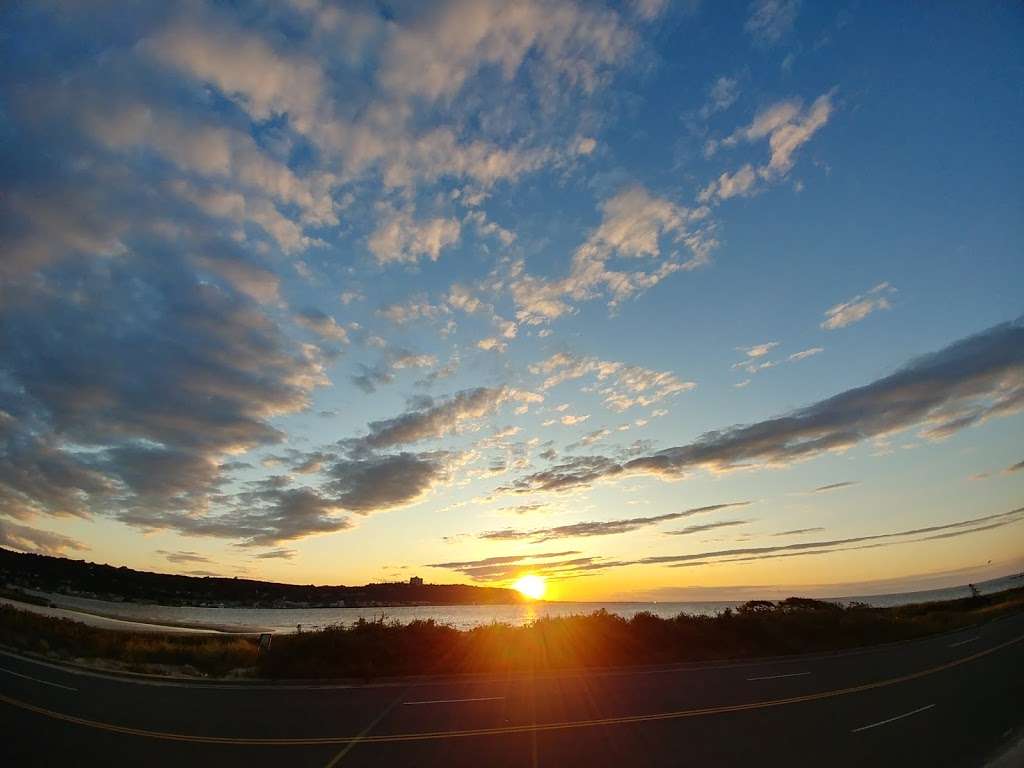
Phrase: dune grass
x=380 y=648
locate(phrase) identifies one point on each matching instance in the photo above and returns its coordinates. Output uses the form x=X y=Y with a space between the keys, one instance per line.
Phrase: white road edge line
x=965 y=642
x=455 y=701
x=776 y=677
x=37 y=680
x=891 y=719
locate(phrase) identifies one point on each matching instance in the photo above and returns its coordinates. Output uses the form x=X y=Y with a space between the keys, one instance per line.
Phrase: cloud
x=730 y=184
x=635 y=226
x=601 y=528
x=321 y=324
x=185 y=556
x=383 y=371
x=771 y=20
x=690 y=529
x=261 y=517
x=589 y=439
x=572 y=419
x=375 y=483
x=506 y=568
x=857 y=308
x=798 y=531
x=417 y=308
x=438 y=374
x=276 y=554
x=803 y=355
x=433 y=55
x=758 y=350
x=399 y=238
x=26 y=539
x=437 y=418
x=196 y=373
x=1015 y=467
x=787 y=126
x=368 y=379
x=972 y=380
x=722 y=95
x=744 y=554
x=834 y=486
x=492 y=344
x=627 y=386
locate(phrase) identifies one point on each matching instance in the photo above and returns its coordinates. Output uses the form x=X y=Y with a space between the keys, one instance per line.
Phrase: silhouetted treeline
x=78 y=577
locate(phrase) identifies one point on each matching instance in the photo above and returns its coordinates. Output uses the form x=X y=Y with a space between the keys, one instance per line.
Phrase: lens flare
x=531 y=586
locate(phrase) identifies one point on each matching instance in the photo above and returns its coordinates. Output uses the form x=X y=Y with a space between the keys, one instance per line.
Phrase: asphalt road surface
x=950 y=700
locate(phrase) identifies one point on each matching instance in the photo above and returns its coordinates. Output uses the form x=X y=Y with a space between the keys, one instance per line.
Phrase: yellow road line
x=500 y=730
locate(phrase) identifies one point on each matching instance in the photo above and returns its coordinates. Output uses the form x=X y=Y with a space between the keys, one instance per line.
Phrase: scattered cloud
x=635 y=227
x=601 y=528
x=322 y=324
x=803 y=355
x=787 y=126
x=857 y=308
x=834 y=486
x=691 y=529
x=275 y=554
x=758 y=350
x=399 y=238
x=771 y=20
x=622 y=386
x=183 y=556
x=27 y=539
x=798 y=532
x=747 y=554
x=972 y=380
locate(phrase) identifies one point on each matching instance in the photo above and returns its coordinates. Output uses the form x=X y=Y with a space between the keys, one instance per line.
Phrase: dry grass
x=67 y=639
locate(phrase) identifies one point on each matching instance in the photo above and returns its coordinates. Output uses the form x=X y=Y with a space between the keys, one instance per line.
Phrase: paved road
x=952 y=700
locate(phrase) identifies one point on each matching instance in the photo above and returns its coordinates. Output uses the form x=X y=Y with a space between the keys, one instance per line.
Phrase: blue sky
x=657 y=300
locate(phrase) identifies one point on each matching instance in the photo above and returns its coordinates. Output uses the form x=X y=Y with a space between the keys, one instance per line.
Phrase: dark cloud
x=434 y=418
x=27 y=539
x=276 y=554
x=601 y=528
x=321 y=324
x=504 y=568
x=572 y=473
x=798 y=532
x=1015 y=467
x=969 y=381
x=261 y=517
x=834 y=486
x=502 y=560
x=728 y=555
x=368 y=379
x=183 y=556
x=159 y=375
x=706 y=527
x=372 y=483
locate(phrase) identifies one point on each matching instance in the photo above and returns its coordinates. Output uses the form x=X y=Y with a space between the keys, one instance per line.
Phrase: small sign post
x=265 y=638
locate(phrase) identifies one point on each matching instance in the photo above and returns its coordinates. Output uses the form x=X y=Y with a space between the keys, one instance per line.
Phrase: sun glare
x=531 y=586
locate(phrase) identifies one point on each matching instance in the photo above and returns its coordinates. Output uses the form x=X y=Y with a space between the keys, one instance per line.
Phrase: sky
x=656 y=300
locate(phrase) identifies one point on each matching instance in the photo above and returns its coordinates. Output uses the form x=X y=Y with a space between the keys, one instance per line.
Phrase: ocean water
x=460 y=616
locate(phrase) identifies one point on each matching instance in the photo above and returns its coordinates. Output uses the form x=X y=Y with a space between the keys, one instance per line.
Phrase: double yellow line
x=499 y=730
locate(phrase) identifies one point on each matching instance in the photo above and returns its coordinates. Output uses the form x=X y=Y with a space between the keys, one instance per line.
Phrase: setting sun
x=531 y=586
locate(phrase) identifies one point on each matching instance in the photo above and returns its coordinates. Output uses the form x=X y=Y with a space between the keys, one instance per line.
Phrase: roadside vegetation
x=371 y=649
x=68 y=640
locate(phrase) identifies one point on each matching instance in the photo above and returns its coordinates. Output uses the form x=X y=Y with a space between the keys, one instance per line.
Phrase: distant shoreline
x=282 y=621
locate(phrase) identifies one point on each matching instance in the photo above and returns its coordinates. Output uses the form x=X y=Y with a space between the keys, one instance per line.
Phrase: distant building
x=416 y=581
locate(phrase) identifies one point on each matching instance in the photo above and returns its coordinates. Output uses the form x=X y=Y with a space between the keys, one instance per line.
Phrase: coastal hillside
x=106 y=582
